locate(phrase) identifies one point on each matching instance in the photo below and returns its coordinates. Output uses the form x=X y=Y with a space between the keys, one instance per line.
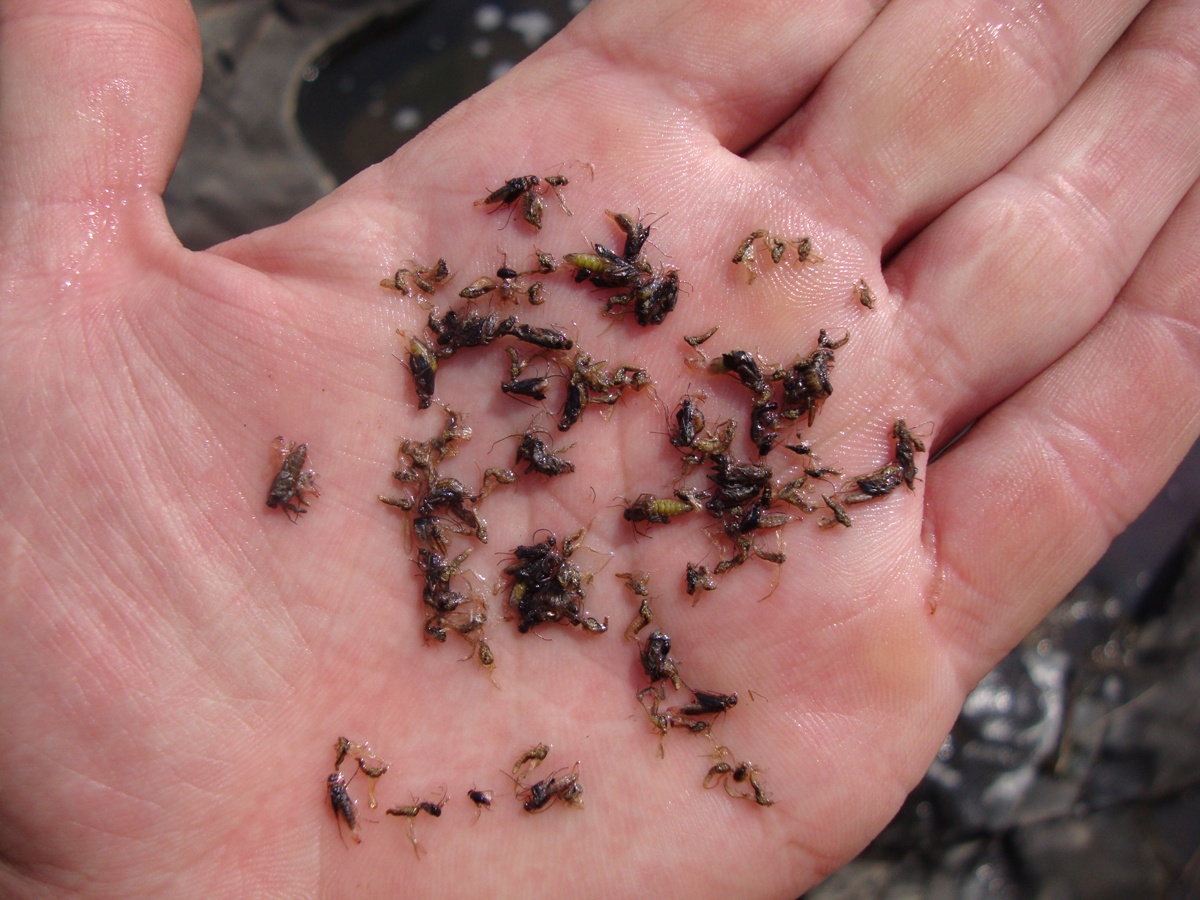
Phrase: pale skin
x=1016 y=183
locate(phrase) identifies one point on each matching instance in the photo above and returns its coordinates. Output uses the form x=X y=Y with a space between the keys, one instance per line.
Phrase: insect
x=422 y=365
x=589 y=382
x=657 y=662
x=840 y=516
x=638 y=584
x=725 y=772
x=541 y=457
x=879 y=483
x=547 y=587
x=864 y=293
x=481 y=799
x=528 y=761
x=744 y=255
x=689 y=424
x=777 y=248
x=660 y=510
x=745 y=368
x=606 y=269
x=374 y=772
x=411 y=812
x=510 y=284
x=293 y=484
x=636 y=233
x=534 y=388
x=427 y=278
x=526 y=191
x=652 y=297
x=344 y=809
x=908 y=445
x=699 y=578
x=806 y=384
x=566 y=787
x=707 y=703
x=694 y=341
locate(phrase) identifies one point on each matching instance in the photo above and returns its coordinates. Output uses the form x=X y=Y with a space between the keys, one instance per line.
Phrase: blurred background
x=1074 y=768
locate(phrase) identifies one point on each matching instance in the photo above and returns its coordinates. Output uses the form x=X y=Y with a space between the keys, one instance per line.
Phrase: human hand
x=1015 y=183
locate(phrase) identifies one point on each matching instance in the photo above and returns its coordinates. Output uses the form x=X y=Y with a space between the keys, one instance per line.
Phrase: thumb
x=95 y=98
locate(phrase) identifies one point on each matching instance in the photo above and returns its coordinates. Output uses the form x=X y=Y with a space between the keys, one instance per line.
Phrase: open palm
x=1012 y=180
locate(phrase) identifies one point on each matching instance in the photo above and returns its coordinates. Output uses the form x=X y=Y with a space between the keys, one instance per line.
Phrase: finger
x=96 y=98
x=737 y=69
x=1023 y=267
x=931 y=101
x=1060 y=469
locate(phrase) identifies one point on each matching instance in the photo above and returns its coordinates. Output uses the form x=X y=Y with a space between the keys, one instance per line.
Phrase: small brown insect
x=638 y=582
x=528 y=761
x=726 y=772
x=777 y=246
x=864 y=293
x=840 y=516
x=879 y=483
x=374 y=772
x=908 y=445
x=293 y=483
x=427 y=278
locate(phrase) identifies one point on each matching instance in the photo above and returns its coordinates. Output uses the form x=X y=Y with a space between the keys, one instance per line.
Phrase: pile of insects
x=745 y=478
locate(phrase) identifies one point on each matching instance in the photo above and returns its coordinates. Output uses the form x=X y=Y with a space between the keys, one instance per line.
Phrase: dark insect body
x=908 y=445
x=542 y=794
x=546 y=587
x=708 y=703
x=526 y=191
x=657 y=661
x=541 y=457
x=292 y=485
x=344 y=809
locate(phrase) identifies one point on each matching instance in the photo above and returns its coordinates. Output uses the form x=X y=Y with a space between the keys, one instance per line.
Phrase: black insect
x=699 y=578
x=534 y=388
x=547 y=587
x=481 y=799
x=526 y=191
x=707 y=703
x=565 y=787
x=344 y=809
x=657 y=662
x=541 y=457
x=292 y=484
